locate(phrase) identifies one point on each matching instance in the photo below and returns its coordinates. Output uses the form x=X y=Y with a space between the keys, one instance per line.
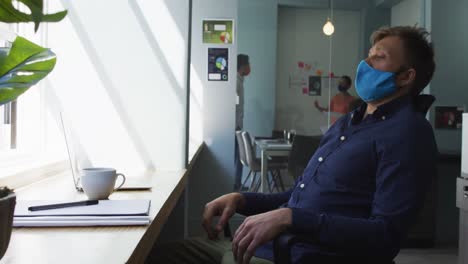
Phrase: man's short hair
x=419 y=52
x=347 y=79
x=242 y=60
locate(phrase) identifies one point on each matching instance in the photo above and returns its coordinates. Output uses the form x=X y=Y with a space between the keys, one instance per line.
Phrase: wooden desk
x=124 y=244
x=270 y=148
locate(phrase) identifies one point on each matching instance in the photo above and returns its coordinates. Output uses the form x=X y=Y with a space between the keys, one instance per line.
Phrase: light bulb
x=328 y=28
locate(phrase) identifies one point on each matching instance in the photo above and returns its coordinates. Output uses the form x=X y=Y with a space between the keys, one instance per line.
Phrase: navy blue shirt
x=362 y=188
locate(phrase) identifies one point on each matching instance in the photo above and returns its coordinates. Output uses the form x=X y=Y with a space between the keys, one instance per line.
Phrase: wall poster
x=218 y=63
x=448 y=117
x=315 y=85
x=218 y=31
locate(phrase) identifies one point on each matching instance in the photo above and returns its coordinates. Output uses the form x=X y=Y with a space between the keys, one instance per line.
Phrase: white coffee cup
x=99 y=183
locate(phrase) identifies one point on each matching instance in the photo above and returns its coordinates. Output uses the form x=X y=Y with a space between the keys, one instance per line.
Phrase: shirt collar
x=383 y=111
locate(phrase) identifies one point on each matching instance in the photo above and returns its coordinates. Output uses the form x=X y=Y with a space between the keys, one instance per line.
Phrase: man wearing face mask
x=364 y=185
x=340 y=103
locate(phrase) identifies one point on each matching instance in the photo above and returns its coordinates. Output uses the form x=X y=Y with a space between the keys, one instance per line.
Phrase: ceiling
x=339 y=4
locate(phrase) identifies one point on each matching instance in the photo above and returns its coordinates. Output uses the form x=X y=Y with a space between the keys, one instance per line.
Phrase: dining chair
x=243 y=158
x=254 y=164
x=275 y=134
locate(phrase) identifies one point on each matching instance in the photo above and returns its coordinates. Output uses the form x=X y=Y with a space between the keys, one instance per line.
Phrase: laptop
x=135 y=183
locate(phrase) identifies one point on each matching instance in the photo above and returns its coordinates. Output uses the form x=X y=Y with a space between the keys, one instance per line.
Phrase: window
x=7 y=116
x=25 y=124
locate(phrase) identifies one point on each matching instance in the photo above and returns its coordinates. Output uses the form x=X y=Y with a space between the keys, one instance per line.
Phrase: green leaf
x=6 y=95
x=24 y=65
x=3 y=55
x=9 y=14
x=21 y=50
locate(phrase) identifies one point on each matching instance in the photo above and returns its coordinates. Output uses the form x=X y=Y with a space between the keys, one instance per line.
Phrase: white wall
x=121 y=70
x=215 y=104
x=444 y=20
x=449 y=84
x=374 y=17
x=407 y=13
x=464 y=165
x=413 y=13
x=257 y=20
x=300 y=37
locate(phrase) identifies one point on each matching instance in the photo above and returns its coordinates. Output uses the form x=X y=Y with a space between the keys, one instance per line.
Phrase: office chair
x=303 y=148
x=283 y=244
x=275 y=134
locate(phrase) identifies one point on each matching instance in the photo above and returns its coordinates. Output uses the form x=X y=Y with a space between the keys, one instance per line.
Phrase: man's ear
x=406 y=78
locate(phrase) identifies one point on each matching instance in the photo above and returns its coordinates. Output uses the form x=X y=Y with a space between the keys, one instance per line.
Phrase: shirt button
x=320 y=159
x=342 y=138
x=302 y=185
x=383 y=117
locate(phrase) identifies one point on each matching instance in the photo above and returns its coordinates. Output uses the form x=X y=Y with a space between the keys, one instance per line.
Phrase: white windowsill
x=29 y=169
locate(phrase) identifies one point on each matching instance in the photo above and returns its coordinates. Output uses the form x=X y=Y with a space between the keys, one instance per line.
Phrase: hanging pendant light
x=328 y=28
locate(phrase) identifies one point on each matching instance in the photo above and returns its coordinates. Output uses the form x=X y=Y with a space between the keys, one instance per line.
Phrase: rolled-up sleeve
x=257 y=203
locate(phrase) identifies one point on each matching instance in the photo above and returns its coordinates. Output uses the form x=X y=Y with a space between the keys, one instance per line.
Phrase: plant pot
x=7 y=208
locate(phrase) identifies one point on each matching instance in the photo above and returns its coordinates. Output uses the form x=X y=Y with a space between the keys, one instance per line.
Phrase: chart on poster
x=218 y=63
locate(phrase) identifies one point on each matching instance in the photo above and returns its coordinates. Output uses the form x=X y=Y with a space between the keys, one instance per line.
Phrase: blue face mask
x=372 y=84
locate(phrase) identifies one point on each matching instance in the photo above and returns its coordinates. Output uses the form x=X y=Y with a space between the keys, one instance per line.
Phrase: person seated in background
x=340 y=103
x=362 y=188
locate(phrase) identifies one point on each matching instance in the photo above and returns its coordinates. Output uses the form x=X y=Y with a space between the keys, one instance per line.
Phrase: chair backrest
x=303 y=148
x=423 y=102
x=277 y=134
x=249 y=150
x=241 y=145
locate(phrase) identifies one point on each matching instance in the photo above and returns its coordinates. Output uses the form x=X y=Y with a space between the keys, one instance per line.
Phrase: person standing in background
x=340 y=103
x=243 y=69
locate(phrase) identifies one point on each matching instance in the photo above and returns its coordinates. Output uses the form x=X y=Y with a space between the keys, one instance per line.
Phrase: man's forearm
x=256 y=203
x=380 y=235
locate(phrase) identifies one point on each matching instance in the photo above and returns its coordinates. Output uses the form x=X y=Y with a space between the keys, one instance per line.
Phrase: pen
x=62 y=205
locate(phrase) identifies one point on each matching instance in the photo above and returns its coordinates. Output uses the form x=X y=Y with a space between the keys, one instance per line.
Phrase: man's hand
x=257 y=230
x=224 y=206
x=316 y=104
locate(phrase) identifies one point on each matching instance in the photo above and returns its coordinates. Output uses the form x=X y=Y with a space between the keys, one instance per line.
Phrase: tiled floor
x=427 y=256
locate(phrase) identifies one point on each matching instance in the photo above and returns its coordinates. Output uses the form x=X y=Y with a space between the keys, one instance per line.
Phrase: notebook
x=131 y=183
x=103 y=208
x=105 y=213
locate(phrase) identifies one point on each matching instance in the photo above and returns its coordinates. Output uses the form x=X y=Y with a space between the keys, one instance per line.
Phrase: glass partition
x=296 y=70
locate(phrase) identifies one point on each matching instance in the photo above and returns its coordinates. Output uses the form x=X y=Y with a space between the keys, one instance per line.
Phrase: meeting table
x=270 y=148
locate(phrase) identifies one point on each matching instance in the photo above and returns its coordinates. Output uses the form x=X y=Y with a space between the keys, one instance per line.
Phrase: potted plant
x=7 y=207
x=22 y=65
